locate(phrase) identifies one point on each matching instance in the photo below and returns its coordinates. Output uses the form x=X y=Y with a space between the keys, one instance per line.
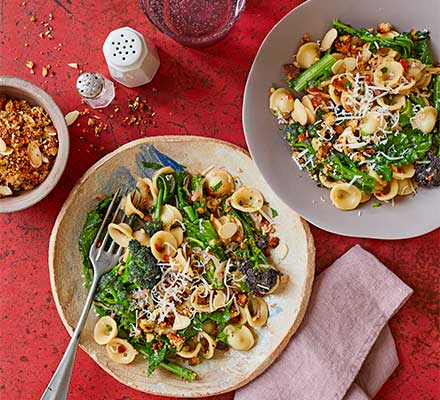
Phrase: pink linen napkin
x=344 y=348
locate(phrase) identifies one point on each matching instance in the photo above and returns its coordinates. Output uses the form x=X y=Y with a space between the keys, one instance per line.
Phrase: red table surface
x=196 y=92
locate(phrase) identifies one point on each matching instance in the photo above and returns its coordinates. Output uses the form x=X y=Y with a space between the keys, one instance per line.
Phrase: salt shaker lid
x=89 y=84
x=124 y=47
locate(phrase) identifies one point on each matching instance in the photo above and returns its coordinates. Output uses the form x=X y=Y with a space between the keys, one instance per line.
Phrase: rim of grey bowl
x=29 y=198
x=322 y=224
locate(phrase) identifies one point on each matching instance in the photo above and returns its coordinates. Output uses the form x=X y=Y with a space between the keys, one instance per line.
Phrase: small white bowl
x=21 y=89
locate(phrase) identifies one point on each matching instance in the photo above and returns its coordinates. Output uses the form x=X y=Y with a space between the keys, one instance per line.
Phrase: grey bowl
x=410 y=216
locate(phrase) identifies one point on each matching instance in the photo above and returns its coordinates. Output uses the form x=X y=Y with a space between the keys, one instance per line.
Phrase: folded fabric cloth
x=344 y=348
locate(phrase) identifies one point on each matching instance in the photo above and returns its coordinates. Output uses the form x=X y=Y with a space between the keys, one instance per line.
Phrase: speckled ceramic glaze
x=227 y=371
x=410 y=216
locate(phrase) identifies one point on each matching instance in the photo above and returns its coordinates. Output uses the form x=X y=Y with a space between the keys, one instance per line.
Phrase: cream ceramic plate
x=229 y=370
x=410 y=216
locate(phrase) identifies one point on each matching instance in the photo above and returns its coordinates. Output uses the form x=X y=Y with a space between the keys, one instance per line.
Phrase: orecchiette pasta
x=227 y=230
x=144 y=195
x=388 y=192
x=388 y=74
x=247 y=199
x=200 y=299
x=142 y=237
x=208 y=345
x=219 y=300
x=130 y=209
x=406 y=187
x=219 y=183
x=181 y=322
x=187 y=352
x=299 y=113
x=105 y=330
x=120 y=351
x=163 y=245
x=404 y=172
x=345 y=196
x=307 y=54
x=239 y=338
x=392 y=103
x=328 y=39
x=281 y=102
x=425 y=119
x=169 y=215
x=370 y=124
x=120 y=233
x=177 y=232
x=256 y=312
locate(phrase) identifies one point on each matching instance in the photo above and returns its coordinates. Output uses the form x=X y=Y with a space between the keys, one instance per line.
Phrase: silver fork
x=102 y=261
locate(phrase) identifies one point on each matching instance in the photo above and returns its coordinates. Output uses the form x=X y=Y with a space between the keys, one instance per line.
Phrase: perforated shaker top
x=89 y=84
x=123 y=47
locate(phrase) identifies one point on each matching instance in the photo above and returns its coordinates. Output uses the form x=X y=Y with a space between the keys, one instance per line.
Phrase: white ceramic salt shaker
x=131 y=60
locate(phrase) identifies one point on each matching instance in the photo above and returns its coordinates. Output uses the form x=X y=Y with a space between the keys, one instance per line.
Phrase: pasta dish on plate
x=196 y=266
x=362 y=113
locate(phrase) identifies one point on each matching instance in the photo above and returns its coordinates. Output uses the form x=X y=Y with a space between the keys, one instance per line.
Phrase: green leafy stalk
x=313 y=73
x=182 y=199
x=401 y=43
x=203 y=234
x=421 y=48
x=343 y=168
x=401 y=148
x=159 y=200
x=178 y=370
x=159 y=358
x=254 y=253
x=408 y=44
x=406 y=114
x=88 y=234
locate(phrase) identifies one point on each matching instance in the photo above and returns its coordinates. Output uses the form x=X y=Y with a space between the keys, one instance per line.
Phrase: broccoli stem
x=178 y=370
x=189 y=211
x=401 y=43
x=158 y=205
x=314 y=72
x=346 y=170
x=257 y=255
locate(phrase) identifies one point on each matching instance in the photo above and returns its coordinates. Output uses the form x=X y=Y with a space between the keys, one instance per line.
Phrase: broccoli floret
x=429 y=174
x=260 y=280
x=142 y=266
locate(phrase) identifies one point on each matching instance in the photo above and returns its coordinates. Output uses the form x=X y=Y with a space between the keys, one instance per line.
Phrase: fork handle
x=58 y=387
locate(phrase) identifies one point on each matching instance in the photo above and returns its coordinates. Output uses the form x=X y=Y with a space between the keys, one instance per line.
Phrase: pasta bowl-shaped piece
x=286 y=306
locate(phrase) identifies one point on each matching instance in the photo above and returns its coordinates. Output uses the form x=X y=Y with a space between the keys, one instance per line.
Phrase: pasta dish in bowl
x=367 y=124
x=340 y=107
x=215 y=275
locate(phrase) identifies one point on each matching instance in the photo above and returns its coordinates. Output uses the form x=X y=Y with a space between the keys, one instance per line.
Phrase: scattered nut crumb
x=29 y=64
x=73 y=65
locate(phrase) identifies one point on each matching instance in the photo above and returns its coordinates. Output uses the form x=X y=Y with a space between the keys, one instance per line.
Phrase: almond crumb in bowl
x=28 y=145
